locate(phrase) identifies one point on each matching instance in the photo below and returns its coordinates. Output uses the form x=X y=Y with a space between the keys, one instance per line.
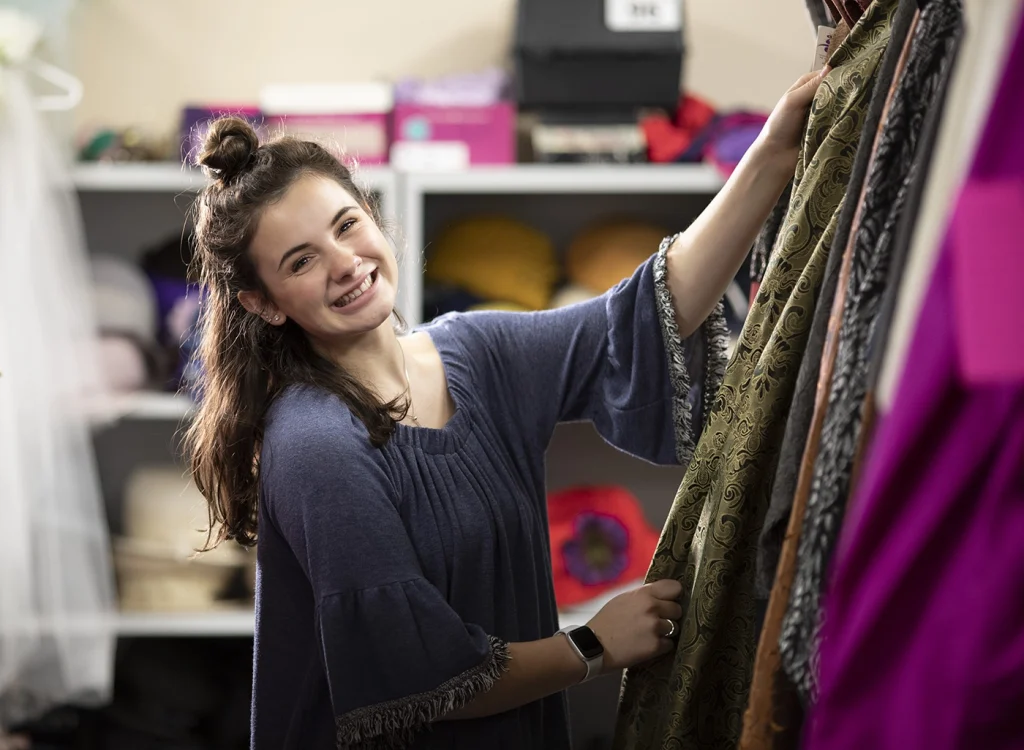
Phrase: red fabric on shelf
x=668 y=138
x=600 y=540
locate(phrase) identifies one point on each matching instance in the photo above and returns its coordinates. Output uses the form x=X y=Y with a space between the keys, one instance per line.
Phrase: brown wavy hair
x=244 y=363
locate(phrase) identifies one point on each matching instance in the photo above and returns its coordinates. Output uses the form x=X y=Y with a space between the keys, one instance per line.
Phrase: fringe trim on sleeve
x=715 y=337
x=716 y=356
x=394 y=725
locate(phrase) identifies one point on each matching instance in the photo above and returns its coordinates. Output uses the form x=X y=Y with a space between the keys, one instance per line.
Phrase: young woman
x=404 y=594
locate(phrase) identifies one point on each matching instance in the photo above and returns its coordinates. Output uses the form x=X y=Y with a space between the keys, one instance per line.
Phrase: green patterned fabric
x=695 y=698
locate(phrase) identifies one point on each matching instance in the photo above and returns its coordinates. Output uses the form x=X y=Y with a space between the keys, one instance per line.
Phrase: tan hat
x=604 y=254
x=151 y=580
x=157 y=564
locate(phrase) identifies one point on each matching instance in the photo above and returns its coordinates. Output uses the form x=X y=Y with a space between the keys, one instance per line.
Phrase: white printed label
x=429 y=156
x=643 y=15
x=823 y=48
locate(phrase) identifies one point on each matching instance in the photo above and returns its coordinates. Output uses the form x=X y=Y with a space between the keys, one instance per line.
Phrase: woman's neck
x=375 y=358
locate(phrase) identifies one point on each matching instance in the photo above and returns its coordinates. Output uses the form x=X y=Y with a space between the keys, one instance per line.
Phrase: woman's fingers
x=667 y=588
x=803 y=80
x=806 y=87
x=668 y=610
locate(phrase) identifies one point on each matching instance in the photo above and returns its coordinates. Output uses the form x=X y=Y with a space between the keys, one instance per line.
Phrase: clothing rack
x=838 y=481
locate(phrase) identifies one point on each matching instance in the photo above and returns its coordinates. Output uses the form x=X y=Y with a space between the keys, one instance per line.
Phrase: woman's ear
x=257 y=304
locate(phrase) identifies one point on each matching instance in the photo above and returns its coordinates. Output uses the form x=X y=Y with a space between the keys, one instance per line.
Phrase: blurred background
x=499 y=138
x=141 y=62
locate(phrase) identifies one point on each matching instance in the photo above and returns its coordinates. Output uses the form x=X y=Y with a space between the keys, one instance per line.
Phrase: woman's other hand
x=634 y=627
x=782 y=135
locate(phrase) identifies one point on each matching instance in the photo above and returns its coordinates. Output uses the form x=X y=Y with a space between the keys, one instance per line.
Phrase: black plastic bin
x=566 y=58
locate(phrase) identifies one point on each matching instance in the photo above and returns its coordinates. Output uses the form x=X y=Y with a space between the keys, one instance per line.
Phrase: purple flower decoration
x=598 y=551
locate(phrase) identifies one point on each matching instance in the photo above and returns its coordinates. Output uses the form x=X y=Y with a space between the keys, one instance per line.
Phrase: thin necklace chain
x=408 y=388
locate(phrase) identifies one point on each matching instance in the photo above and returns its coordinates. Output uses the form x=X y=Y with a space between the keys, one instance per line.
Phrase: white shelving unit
x=403 y=196
x=127 y=206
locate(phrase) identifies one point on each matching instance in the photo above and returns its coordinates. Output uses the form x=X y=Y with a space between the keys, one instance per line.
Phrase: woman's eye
x=298 y=265
x=345 y=226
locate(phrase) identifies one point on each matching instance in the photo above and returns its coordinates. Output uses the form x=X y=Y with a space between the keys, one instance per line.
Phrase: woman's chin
x=365 y=321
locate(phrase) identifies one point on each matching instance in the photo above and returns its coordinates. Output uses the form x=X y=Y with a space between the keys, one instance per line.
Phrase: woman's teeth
x=357 y=293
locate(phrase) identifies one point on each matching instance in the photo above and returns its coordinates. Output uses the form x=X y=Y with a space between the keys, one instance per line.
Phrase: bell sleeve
x=616 y=360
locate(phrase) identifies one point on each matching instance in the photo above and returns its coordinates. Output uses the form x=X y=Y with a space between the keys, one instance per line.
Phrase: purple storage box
x=195 y=121
x=488 y=131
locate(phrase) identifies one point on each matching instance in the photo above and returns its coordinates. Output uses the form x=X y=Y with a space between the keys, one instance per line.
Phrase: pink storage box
x=487 y=131
x=361 y=138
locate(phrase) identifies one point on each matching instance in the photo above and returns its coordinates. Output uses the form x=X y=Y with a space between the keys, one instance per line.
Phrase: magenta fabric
x=923 y=635
x=989 y=259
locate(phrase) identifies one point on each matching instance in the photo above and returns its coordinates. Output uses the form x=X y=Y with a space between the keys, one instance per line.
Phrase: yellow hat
x=496 y=258
x=604 y=254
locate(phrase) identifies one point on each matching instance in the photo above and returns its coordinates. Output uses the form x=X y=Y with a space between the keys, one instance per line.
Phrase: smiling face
x=323 y=262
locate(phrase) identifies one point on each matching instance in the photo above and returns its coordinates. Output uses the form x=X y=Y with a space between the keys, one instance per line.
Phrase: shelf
x=519 y=178
x=149 y=405
x=155 y=177
x=173 y=177
x=228 y=621
x=572 y=178
x=240 y=622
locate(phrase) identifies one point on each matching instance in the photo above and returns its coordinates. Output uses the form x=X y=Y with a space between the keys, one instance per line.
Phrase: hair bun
x=229 y=145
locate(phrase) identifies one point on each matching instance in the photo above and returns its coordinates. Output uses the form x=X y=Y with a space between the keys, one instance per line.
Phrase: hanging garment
x=765 y=241
x=930 y=564
x=56 y=584
x=848 y=11
x=802 y=408
x=851 y=11
x=840 y=11
x=990 y=25
x=696 y=698
x=774 y=715
x=902 y=239
x=932 y=52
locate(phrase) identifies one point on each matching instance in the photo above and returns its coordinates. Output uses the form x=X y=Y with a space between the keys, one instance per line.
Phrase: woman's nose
x=344 y=263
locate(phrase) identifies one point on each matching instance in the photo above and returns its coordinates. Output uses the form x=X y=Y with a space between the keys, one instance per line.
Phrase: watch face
x=586 y=642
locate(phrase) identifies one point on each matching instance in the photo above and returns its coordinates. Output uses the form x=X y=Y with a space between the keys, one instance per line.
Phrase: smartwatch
x=587 y=647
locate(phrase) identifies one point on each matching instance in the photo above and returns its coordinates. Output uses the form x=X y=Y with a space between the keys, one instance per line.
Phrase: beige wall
x=141 y=60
